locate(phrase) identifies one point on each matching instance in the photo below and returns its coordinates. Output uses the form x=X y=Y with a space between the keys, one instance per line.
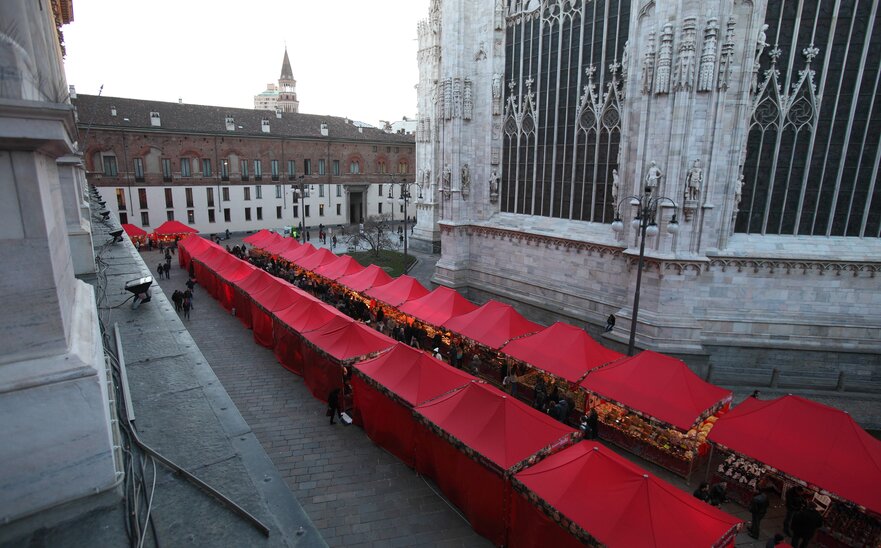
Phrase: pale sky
x=351 y=58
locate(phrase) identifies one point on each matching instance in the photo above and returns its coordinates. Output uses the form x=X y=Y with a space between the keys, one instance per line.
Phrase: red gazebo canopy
x=344 y=339
x=170 y=228
x=341 y=266
x=261 y=238
x=280 y=246
x=439 y=306
x=617 y=503
x=562 y=350
x=308 y=315
x=298 y=252
x=314 y=260
x=659 y=386
x=398 y=291
x=371 y=276
x=277 y=294
x=809 y=441
x=133 y=230
x=492 y=325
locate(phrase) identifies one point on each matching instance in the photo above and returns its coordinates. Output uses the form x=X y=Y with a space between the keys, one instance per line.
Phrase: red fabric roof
x=341 y=266
x=133 y=230
x=398 y=291
x=298 y=252
x=439 y=306
x=807 y=440
x=255 y=281
x=312 y=261
x=619 y=504
x=236 y=271
x=371 y=276
x=307 y=315
x=261 y=238
x=277 y=294
x=562 y=350
x=215 y=258
x=174 y=227
x=413 y=375
x=493 y=324
x=194 y=246
x=499 y=427
x=281 y=246
x=658 y=385
x=344 y=339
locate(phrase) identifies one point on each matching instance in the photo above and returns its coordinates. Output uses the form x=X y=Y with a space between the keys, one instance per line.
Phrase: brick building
x=217 y=168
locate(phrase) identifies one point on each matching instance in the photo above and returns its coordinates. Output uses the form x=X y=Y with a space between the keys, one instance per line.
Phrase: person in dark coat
x=758 y=507
x=794 y=502
x=804 y=524
x=719 y=493
x=333 y=404
x=703 y=492
x=593 y=423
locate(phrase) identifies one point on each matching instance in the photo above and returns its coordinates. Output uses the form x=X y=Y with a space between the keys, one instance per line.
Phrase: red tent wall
x=388 y=423
x=225 y=289
x=288 y=326
x=189 y=247
x=277 y=295
x=529 y=526
x=241 y=296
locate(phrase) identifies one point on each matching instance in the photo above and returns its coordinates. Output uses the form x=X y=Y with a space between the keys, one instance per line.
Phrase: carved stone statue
x=467 y=101
x=693 y=181
x=625 y=59
x=446 y=178
x=738 y=191
x=494 y=186
x=708 y=57
x=481 y=53
x=497 y=93
x=648 y=64
x=665 y=60
x=761 y=44
x=500 y=15
x=465 y=173
x=616 y=186
x=653 y=176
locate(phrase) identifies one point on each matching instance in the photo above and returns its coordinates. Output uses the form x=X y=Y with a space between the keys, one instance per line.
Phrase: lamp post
x=645 y=222
x=300 y=194
x=405 y=195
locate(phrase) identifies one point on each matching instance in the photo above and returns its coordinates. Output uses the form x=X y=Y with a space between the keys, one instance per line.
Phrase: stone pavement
x=355 y=493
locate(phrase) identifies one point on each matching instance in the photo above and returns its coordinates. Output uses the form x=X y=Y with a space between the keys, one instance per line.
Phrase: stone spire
x=287 y=87
x=286 y=72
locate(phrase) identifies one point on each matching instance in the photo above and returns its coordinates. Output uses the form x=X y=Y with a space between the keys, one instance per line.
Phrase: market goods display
x=743 y=471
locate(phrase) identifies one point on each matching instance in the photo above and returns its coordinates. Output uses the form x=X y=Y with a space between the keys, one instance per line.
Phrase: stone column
x=79 y=235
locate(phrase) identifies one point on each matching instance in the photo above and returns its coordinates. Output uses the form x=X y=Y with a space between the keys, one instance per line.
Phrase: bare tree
x=376 y=233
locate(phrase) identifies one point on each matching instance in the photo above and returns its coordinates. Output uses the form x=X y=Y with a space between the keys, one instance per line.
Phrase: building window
x=273 y=164
x=226 y=216
x=321 y=167
x=321 y=191
x=259 y=213
x=403 y=167
x=388 y=149
x=355 y=167
x=225 y=194
x=396 y=150
x=247 y=191
x=145 y=218
x=379 y=208
x=169 y=198
x=210 y=194
x=321 y=210
x=278 y=212
x=191 y=216
x=142 y=198
x=259 y=191
x=307 y=167
x=210 y=215
x=336 y=167
x=243 y=166
x=379 y=190
x=292 y=169
x=123 y=217
x=374 y=148
x=380 y=166
x=169 y=215
x=139 y=170
x=296 y=212
x=338 y=209
x=110 y=166
x=401 y=208
x=339 y=191
x=258 y=170
x=206 y=167
x=247 y=213
x=166 y=170
x=224 y=169
x=185 y=167
x=189 y=193
x=307 y=210
x=277 y=191
x=120 y=199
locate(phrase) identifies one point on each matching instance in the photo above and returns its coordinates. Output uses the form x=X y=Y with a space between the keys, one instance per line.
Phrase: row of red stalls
x=167 y=231
x=503 y=463
x=650 y=404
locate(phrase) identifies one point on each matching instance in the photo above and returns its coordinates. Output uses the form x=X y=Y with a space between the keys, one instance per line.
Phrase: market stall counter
x=655 y=407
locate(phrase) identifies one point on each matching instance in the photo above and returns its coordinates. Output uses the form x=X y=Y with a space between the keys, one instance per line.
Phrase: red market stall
x=229 y=276
x=656 y=407
x=471 y=440
x=492 y=325
x=274 y=296
x=341 y=266
x=337 y=344
x=438 y=307
x=398 y=291
x=371 y=276
x=281 y=246
x=261 y=238
x=295 y=254
x=289 y=325
x=173 y=230
x=387 y=388
x=135 y=234
x=312 y=261
x=793 y=441
x=253 y=282
x=587 y=494
x=207 y=263
x=190 y=247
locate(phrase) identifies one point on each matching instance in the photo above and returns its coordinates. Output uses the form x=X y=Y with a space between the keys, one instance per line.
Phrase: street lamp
x=645 y=222
x=405 y=196
x=300 y=194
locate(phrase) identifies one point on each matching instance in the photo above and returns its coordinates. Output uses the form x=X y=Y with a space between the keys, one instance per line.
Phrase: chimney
x=73 y=92
x=360 y=129
x=154 y=119
x=180 y=100
x=113 y=111
x=265 y=125
x=324 y=129
x=277 y=112
x=230 y=123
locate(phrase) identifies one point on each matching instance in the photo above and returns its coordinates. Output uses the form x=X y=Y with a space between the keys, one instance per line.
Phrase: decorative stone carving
x=726 y=56
x=648 y=64
x=497 y=94
x=665 y=60
x=708 y=57
x=457 y=98
x=616 y=186
x=466 y=181
x=625 y=60
x=494 y=157
x=738 y=191
x=468 y=103
x=683 y=75
x=446 y=181
x=761 y=44
x=434 y=16
x=693 y=181
x=500 y=15
x=447 y=99
x=481 y=53
x=494 y=187
x=653 y=176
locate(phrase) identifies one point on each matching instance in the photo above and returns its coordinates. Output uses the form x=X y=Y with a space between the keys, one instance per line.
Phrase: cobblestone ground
x=355 y=492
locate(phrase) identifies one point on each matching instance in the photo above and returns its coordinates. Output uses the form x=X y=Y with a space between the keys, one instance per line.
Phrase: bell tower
x=287 y=87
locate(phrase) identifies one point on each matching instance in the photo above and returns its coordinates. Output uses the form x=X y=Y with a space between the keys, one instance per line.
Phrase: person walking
x=333 y=404
x=794 y=502
x=177 y=298
x=191 y=284
x=160 y=269
x=167 y=269
x=187 y=303
x=804 y=524
x=758 y=507
x=703 y=492
x=610 y=323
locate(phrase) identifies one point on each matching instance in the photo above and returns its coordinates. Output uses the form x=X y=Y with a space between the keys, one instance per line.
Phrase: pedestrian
x=167 y=268
x=610 y=323
x=333 y=404
x=758 y=507
x=794 y=503
x=703 y=492
x=804 y=524
x=333 y=240
x=719 y=493
x=191 y=284
x=160 y=269
x=176 y=298
x=437 y=354
x=187 y=304
x=593 y=423
x=308 y=236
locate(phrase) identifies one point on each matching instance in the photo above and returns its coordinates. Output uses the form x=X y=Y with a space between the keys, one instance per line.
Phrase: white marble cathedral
x=538 y=120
